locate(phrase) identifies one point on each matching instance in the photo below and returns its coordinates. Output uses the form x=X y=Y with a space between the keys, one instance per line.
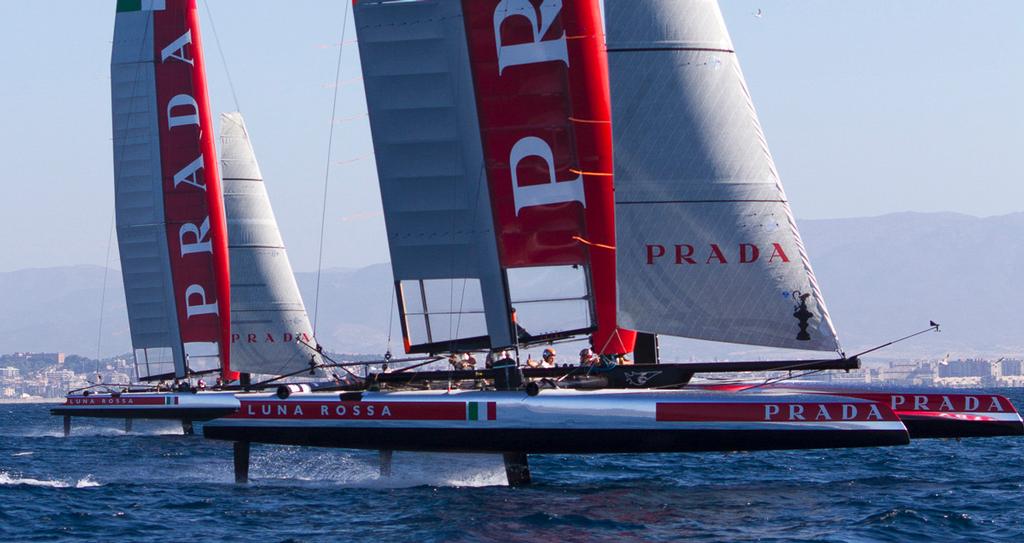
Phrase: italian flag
x=481 y=410
x=141 y=5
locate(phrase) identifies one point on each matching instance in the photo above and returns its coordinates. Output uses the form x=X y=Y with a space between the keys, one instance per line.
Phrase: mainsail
x=485 y=201
x=170 y=217
x=707 y=246
x=270 y=330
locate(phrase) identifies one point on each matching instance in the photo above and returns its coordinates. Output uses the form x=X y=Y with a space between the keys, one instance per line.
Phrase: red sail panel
x=193 y=203
x=591 y=105
x=519 y=58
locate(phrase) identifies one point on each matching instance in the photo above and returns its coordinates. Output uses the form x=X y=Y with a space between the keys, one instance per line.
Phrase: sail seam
x=698 y=201
x=648 y=49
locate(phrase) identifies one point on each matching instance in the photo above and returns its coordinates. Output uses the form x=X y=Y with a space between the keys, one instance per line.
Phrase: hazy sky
x=869 y=108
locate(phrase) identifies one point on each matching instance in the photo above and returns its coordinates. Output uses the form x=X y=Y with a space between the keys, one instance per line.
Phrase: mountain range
x=882 y=277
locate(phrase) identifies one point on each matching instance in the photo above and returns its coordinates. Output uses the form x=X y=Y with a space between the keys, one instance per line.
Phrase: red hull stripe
x=107 y=400
x=967 y=417
x=773 y=412
x=924 y=403
x=316 y=410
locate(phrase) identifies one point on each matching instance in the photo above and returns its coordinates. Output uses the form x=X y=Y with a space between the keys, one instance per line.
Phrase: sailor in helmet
x=587 y=357
x=548 y=360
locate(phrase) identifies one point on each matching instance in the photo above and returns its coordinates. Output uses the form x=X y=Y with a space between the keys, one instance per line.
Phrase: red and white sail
x=270 y=330
x=487 y=201
x=170 y=214
x=707 y=246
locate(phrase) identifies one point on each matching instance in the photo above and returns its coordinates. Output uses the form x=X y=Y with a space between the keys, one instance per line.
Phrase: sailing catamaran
x=178 y=226
x=493 y=124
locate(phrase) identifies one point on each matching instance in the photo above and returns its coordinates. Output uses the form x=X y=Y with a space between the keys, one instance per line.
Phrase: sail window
x=153 y=361
x=440 y=310
x=202 y=356
x=550 y=299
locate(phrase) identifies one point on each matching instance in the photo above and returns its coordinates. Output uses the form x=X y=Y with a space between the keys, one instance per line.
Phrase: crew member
x=548 y=358
x=587 y=357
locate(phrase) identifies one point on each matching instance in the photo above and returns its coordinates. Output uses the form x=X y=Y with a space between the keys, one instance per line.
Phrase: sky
x=869 y=108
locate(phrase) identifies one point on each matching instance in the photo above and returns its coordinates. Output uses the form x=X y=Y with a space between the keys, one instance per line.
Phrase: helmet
x=548 y=353
x=586 y=352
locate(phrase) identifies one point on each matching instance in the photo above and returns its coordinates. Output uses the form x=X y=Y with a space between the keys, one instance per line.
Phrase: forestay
x=170 y=218
x=707 y=245
x=270 y=330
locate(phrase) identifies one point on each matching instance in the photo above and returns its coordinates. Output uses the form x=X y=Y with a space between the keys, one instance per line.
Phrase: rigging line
x=593 y=244
x=481 y=178
x=220 y=51
x=596 y=174
x=103 y=294
x=327 y=169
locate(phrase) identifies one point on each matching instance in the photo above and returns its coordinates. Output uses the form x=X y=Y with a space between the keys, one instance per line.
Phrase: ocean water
x=155 y=484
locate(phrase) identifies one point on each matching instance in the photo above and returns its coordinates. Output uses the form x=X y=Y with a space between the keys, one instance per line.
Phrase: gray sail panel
x=707 y=246
x=437 y=210
x=270 y=328
x=138 y=199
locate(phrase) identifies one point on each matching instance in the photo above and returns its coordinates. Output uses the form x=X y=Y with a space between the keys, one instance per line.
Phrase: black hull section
x=164 y=413
x=946 y=429
x=584 y=441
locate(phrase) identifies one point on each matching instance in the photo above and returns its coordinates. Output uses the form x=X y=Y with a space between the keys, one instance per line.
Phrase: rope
x=327 y=170
x=103 y=295
x=220 y=51
x=592 y=244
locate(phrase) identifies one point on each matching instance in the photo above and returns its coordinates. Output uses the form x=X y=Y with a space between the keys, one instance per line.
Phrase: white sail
x=707 y=246
x=270 y=330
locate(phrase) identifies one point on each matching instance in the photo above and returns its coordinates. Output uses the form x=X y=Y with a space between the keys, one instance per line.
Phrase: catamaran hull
x=927 y=413
x=554 y=441
x=200 y=406
x=569 y=422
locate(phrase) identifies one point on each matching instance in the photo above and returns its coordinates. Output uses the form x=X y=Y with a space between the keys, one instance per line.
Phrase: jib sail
x=270 y=330
x=706 y=244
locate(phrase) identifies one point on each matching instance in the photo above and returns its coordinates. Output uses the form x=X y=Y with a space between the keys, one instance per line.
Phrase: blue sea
x=154 y=484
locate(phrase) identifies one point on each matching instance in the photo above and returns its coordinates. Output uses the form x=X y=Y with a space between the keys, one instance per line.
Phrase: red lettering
x=684 y=257
x=288 y=337
x=235 y=337
x=270 y=338
x=778 y=252
x=251 y=338
x=651 y=255
x=748 y=253
x=716 y=253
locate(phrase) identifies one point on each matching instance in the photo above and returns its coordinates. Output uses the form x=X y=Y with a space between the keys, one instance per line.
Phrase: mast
x=591 y=102
x=170 y=213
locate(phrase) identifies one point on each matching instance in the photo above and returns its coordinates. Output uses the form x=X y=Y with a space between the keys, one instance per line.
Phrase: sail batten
x=707 y=246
